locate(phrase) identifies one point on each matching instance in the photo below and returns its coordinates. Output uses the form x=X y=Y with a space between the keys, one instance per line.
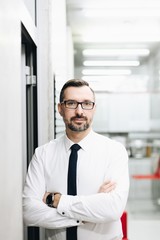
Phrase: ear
x=60 y=109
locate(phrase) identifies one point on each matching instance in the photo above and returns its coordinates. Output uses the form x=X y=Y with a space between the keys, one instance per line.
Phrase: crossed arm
x=110 y=198
x=106 y=187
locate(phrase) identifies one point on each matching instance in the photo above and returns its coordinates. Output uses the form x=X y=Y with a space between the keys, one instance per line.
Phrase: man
x=102 y=180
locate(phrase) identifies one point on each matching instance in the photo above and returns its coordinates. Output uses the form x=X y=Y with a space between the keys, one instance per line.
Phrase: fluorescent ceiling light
x=103 y=78
x=106 y=72
x=122 y=12
x=111 y=63
x=122 y=4
x=115 y=52
x=113 y=38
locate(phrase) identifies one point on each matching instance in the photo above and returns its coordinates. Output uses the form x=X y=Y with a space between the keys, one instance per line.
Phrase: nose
x=79 y=109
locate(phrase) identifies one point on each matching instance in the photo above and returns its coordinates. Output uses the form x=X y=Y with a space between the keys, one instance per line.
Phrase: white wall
x=70 y=54
x=10 y=123
x=62 y=54
x=50 y=37
x=44 y=71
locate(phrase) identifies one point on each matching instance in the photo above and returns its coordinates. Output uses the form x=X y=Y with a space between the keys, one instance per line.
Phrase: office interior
x=115 y=46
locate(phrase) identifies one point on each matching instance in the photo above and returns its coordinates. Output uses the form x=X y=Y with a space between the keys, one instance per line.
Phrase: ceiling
x=116 y=24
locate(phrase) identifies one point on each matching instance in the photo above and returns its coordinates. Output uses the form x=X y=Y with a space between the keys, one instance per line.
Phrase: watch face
x=49 y=199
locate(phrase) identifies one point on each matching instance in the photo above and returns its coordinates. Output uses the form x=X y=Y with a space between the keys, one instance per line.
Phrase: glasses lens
x=87 y=105
x=71 y=104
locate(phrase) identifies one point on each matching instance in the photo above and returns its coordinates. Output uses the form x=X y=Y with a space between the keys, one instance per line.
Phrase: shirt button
x=63 y=213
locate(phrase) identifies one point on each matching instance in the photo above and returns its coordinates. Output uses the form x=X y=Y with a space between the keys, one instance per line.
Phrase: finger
x=106 y=182
x=108 y=187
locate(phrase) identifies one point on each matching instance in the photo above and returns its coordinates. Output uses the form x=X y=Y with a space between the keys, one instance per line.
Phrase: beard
x=78 y=127
x=75 y=128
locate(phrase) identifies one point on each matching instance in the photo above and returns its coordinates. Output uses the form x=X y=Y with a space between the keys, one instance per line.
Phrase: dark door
x=29 y=105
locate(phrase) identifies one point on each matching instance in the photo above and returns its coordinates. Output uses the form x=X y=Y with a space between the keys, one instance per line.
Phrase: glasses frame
x=81 y=103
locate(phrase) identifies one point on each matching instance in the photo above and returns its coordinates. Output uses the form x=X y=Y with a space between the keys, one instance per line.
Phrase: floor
x=143 y=220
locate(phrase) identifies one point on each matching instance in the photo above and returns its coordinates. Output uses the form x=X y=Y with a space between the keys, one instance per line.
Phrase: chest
x=92 y=170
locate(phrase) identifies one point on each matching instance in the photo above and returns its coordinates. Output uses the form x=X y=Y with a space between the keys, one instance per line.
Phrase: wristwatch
x=50 y=200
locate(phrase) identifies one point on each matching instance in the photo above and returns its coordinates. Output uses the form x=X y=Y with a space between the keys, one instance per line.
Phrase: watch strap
x=50 y=199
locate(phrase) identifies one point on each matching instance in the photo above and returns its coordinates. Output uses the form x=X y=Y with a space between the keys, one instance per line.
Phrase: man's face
x=77 y=120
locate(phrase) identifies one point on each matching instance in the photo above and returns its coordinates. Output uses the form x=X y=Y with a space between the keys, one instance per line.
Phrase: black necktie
x=72 y=188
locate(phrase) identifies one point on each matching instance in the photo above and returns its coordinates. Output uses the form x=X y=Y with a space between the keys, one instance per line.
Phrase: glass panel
x=31 y=6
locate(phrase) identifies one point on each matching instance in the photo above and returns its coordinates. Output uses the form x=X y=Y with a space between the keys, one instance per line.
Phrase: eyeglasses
x=72 y=104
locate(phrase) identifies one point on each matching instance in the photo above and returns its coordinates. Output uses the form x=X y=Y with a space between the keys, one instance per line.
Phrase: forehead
x=78 y=93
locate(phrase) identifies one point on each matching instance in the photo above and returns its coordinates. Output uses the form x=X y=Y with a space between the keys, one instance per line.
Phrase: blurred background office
x=115 y=45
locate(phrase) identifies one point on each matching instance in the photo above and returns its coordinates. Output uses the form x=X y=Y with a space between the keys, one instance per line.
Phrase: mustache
x=79 y=116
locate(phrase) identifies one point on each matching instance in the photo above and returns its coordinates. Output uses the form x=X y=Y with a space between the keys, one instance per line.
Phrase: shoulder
x=102 y=138
x=50 y=146
x=108 y=143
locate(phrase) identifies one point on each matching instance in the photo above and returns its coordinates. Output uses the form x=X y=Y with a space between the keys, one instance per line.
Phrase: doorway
x=29 y=105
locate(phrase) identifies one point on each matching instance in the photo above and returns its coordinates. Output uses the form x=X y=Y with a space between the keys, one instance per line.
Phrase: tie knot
x=75 y=147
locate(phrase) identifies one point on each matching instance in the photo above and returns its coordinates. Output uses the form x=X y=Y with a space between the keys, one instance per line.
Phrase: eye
x=87 y=103
x=71 y=103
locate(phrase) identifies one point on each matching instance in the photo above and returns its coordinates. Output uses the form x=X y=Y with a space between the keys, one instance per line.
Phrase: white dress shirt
x=97 y=215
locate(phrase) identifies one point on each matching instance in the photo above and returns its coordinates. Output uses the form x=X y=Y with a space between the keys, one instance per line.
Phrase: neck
x=77 y=136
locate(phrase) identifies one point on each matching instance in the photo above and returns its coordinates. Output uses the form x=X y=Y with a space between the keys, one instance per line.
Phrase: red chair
x=124 y=225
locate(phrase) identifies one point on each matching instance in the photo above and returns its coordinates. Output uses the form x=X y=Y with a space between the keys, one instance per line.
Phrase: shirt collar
x=67 y=142
x=84 y=143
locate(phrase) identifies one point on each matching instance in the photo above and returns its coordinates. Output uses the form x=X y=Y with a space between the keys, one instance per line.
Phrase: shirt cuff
x=64 y=208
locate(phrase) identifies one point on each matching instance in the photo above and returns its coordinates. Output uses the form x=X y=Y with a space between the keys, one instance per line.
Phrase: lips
x=78 y=119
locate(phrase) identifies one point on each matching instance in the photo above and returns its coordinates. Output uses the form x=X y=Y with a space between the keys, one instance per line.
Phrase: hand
x=107 y=187
x=57 y=197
